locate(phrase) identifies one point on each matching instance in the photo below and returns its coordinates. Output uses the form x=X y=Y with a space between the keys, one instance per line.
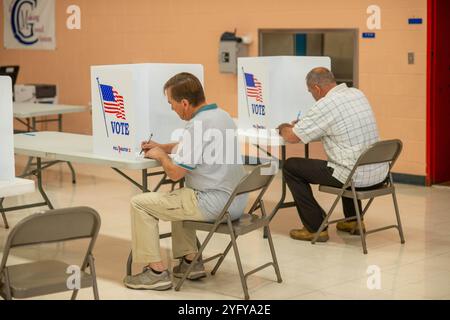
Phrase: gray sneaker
x=149 y=280
x=196 y=273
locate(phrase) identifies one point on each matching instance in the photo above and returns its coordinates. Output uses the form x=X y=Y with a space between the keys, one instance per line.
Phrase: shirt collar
x=336 y=89
x=205 y=108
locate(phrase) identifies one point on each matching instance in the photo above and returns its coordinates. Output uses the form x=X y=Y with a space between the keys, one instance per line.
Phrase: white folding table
x=61 y=146
x=29 y=111
x=24 y=112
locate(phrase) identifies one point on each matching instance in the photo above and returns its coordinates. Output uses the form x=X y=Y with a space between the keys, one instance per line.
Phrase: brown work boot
x=305 y=235
x=350 y=226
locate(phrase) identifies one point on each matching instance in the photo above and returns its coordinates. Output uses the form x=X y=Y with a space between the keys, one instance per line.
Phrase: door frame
x=294 y=31
x=431 y=15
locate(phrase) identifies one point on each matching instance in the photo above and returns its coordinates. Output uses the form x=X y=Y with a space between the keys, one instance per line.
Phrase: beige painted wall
x=119 y=31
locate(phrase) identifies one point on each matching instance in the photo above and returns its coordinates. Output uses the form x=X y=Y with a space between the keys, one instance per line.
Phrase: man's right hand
x=148 y=145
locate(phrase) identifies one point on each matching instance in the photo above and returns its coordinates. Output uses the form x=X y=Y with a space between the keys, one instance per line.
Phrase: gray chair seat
x=361 y=195
x=42 y=277
x=247 y=223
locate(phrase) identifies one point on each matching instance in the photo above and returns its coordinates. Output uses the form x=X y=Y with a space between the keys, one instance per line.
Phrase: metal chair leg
x=74 y=294
x=7 y=284
x=358 y=217
x=362 y=215
x=238 y=260
x=325 y=220
x=274 y=257
x=94 y=277
x=397 y=213
x=219 y=263
x=196 y=258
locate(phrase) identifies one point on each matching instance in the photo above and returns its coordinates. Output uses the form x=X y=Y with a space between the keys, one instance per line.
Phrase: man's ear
x=185 y=103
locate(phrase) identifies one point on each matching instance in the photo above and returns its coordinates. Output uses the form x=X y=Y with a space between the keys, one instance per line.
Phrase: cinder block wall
x=118 y=31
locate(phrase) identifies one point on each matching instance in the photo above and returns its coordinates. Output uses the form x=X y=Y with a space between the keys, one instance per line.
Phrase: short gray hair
x=320 y=76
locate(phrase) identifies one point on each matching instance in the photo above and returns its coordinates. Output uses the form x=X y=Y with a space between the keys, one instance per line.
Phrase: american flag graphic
x=112 y=101
x=254 y=87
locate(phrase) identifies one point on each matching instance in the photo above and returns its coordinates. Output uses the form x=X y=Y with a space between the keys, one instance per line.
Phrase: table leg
x=283 y=188
x=31 y=128
x=27 y=170
x=39 y=182
x=5 y=221
x=60 y=122
x=144 y=181
x=72 y=170
x=281 y=204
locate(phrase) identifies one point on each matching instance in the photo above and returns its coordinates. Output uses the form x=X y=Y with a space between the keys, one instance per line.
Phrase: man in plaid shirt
x=342 y=119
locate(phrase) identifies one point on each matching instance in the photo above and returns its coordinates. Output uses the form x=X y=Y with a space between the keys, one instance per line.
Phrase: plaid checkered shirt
x=343 y=120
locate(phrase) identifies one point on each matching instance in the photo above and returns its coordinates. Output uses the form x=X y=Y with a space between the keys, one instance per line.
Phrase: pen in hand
x=149 y=139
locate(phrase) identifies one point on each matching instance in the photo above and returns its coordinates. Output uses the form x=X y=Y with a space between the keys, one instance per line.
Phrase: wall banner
x=29 y=24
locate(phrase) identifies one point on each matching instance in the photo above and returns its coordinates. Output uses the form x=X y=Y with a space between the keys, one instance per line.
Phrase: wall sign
x=368 y=35
x=29 y=24
x=415 y=21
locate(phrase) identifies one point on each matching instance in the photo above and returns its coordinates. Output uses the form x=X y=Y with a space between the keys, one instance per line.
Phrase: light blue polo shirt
x=209 y=149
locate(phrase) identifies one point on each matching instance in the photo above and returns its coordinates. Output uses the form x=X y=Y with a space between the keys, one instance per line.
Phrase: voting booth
x=129 y=105
x=272 y=90
x=7 y=171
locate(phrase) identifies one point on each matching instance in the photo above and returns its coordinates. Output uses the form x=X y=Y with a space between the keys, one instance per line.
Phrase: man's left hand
x=155 y=153
x=283 y=126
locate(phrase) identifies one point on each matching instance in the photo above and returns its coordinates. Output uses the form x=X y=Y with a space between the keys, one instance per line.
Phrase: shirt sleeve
x=189 y=153
x=314 y=125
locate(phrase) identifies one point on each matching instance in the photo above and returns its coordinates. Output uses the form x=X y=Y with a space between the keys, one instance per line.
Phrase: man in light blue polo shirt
x=208 y=157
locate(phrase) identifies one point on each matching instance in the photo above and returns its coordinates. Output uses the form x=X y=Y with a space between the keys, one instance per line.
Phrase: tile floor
x=419 y=269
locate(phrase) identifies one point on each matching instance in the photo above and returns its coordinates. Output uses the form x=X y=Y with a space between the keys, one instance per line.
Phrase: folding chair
x=47 y=277
x=379 y=152
x=256 y=180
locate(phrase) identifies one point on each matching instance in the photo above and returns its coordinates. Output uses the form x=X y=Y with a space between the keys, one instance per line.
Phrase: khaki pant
x=175 y=206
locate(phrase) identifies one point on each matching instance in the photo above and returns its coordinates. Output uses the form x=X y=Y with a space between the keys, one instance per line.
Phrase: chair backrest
x=379 y=152
x=382 y=151
x=258 y=178
x=54 y=226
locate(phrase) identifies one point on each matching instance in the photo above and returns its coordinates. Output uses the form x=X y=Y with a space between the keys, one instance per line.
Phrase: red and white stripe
x=255 y=92
x=116 y=107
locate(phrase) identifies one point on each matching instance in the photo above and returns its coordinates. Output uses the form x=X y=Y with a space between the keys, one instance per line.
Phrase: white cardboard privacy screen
x=7 y=171
x=272 y=90
x=128 y=105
